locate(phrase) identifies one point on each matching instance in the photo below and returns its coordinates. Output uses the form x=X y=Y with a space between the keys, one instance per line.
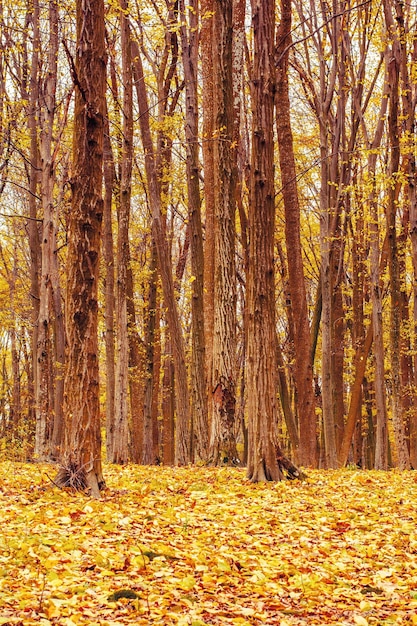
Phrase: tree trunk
x=50 y=320
x=33 y=225
x=109 y=304
x=121 y=435
x=393 y=75
x=260 y=376
x=189 y=38
x=409 y=104
x=206 y=44
x=224 y=423
x=303 y=369
x=381 y=435
x=136 y=374
x=82 y=453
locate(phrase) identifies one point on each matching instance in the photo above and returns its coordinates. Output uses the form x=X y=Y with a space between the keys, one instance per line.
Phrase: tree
x=223 y=424
x=81 y=456
x=260 y=376
x=189 y=40
x=393 y=59
x=303 y=367
x=49 y=388
x=120 y=452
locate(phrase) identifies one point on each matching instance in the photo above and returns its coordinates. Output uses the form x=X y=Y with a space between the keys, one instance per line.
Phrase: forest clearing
x=204 y=546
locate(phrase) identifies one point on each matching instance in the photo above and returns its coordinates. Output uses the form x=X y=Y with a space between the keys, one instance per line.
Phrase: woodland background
x=258 y=265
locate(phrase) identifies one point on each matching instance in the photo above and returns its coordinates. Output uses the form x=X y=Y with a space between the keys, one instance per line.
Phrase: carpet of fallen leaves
x=200 y=546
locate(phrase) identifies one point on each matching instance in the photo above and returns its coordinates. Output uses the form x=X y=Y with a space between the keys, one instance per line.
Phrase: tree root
x=288 y=469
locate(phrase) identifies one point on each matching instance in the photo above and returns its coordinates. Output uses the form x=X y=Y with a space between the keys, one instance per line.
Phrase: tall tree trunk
x=189 y=40
x=326 y=316
x=82 y=452
x=409 y=104
x=393 y=75
x=381 y=435
x=50 y=320
x=303 y=369
x=206 y=44
x=109 y=175
x=121 y=434
x=224 y=423
x=33 y=225
x=260 y=376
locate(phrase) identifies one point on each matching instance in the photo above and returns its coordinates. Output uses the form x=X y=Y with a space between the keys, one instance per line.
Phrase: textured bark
x=109 y=175
x=33 y=226
x=260 y=376
x=409 y=104
x=284 y=394
x=381 y=434
x=303 y=369
x=359 y=253
x=224 y=423
x=206 y=45
x=82 y=452
x=120 y=452
x=51 y=342
x=136 y=374
x=393 y=75
x=189 y=39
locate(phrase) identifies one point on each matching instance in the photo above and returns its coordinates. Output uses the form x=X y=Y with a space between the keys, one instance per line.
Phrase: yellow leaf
x=187 y=583
x=360 y=621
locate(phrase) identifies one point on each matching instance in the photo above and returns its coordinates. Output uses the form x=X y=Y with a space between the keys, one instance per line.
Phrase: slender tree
x=189 y=40
x=121 y=435
x=224 y=372
x=303 y=367
x=51 y=335
x=260 y=375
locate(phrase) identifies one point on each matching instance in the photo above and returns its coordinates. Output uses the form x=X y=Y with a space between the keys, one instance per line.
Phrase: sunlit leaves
x=203 y=546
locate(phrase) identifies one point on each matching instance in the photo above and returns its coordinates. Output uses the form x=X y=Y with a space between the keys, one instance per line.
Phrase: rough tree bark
x=303 y=369
x=265 y=460
x=206 y=46
x=82 y=450
x=393 y=187
x=223 y=425
x=51 y=333
x=189 y=40
x=120 y=452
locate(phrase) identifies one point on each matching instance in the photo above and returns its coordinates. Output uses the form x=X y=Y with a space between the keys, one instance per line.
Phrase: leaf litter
x=203 y=546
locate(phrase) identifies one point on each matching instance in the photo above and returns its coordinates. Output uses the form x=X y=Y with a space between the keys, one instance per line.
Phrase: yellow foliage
x=338 y=548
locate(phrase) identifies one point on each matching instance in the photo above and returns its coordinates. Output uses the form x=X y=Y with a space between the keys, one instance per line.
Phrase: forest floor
x=203 y=546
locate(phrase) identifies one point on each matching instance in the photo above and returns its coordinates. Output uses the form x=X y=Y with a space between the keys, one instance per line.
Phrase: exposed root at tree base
x=284 y=470
x=288 y=469
x=73 y=477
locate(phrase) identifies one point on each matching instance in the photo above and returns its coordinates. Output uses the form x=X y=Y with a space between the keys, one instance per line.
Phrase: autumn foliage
x=193 y=546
